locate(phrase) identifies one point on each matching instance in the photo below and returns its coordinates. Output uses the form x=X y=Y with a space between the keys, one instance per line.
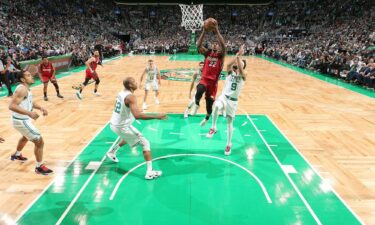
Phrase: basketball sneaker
x=96 y=93
x=42 y=169
x=144 y=106
x=157 y=101
x=195 y=109
x=112 y=156
x=186 y=113
x=79 y=95
x=152 y=174
x=60 y=96
x=18 y=157
x=228 y=150
x=45 y=98
x=211 y=133
x=203 y=122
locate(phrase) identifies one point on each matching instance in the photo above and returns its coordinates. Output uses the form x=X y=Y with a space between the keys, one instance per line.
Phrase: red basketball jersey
x=46 y=71
x=93 y=65
x=213 y=65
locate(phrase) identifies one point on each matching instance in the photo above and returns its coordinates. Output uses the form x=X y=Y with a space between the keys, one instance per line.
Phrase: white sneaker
x=112 y=156
x=228 y=150
x=203 y=122
x=186 y=113
x=96 y=93
x=211 y=133
x=144 y=106
x=195 y=109
x=157 y=101
x=79 y=95
x=152 y=174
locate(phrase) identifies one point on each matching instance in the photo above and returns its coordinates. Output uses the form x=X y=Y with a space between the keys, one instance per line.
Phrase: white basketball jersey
x=26 y=104
x=233 y=85
x=151 y=74
x=122 y=115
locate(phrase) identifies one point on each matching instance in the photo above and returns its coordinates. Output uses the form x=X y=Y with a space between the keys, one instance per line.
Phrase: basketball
x=209 y=24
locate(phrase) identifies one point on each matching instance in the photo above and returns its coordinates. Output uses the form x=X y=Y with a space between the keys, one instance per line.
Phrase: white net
x=192 y=16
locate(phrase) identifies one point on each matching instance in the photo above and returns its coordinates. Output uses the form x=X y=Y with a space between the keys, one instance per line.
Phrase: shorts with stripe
x=151 y=85
x=26 y=128
x=230 y=106
x=132 y=136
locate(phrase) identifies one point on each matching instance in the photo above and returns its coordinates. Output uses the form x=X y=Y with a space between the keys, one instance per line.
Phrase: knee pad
x=97 y=81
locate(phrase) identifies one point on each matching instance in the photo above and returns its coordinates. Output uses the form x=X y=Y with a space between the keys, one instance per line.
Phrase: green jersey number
x=117 y=106
x=233 y=86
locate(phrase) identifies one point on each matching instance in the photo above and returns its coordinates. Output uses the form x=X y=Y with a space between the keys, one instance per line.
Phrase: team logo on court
x=182 y=74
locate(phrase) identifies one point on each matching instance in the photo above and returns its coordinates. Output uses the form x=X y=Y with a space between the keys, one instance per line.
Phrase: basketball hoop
x=192 y=16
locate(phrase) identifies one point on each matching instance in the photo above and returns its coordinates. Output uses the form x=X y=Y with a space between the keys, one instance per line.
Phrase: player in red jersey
x=213 y=65
x=91 y=73
x=47 y=73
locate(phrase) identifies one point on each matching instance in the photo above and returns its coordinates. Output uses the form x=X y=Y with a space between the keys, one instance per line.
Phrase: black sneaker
x=45 y=98
x=19 y=157
x=60 y=96
x=42 y=169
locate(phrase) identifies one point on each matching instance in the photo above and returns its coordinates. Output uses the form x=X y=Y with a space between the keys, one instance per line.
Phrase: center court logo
x=182 y=74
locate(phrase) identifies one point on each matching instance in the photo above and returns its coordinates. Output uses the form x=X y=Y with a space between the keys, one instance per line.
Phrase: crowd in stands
x=34 y=28
x=339 y=45
x=332 y=37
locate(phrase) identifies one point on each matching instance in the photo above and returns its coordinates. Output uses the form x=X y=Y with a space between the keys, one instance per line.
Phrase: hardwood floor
x=334 y=128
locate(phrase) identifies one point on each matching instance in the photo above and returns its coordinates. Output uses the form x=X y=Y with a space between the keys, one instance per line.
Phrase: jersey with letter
x=46 y=70
x=93 y=65
x=122 y=115
x=233 y=85
x=213 y=65
x=151 y=74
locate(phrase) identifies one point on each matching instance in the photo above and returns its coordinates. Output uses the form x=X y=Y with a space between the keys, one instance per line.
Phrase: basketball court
x=264 y=181
x=302 y=153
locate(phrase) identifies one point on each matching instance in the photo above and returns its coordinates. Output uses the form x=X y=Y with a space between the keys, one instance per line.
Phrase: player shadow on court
x=57 y=210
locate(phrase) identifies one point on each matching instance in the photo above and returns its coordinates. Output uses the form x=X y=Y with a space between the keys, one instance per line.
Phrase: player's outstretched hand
x=34 y=115
x=241 y=51
x=45 y=112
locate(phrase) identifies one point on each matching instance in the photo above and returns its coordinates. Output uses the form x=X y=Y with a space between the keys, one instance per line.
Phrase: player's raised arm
x=220 y=40
x=200 y=47
x=230 y=64
x=131 y=102
x=241 y=63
